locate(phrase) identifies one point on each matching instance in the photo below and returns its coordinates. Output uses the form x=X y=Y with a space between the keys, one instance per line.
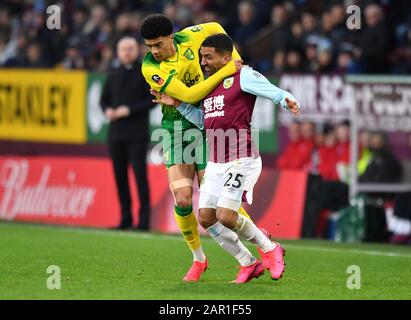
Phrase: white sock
x=198 y=254
x=247 y=229
x=230 y=242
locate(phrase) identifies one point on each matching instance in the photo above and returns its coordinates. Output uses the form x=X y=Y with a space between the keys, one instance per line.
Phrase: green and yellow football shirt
x=181 y=76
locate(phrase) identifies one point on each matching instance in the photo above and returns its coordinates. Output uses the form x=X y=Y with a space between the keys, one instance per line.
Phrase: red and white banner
x=81 y=192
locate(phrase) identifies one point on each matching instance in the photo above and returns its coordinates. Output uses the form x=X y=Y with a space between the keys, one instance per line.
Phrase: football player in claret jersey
x=172 y=66
x=234 y=167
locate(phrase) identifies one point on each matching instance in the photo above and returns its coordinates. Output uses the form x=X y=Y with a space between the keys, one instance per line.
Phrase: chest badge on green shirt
x=189 y=54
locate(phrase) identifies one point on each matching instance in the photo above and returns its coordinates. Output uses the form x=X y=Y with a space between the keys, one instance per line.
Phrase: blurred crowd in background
x=274 y=36
x=324 y=152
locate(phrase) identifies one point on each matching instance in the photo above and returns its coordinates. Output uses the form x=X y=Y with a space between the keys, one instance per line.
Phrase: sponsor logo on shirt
x=157 y=79
x=257 y=74
x=188 y=81
x=213 y=107
x=214 y=114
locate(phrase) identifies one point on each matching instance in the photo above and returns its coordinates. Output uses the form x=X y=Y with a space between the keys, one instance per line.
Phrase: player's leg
x=240 y=177
x=211 y=187
x=228 y=216
x=200 y=175
x=224 y=236
x=181 y=177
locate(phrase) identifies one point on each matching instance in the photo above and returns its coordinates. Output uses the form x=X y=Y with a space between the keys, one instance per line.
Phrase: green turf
x=100 y=264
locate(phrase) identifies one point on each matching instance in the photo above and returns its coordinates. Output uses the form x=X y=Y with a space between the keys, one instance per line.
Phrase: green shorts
x=190 y=147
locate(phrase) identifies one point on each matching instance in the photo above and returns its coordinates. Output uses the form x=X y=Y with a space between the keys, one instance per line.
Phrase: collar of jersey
x=175 y=46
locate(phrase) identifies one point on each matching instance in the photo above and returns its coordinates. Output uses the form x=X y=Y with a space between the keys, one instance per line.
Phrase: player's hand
x=293 y=106
x=164 y=99
x=238 y=64
x=122 y=111
x=110 y=114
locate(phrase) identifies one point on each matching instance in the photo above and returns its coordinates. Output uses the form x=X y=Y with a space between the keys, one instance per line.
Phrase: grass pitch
x=102 y=264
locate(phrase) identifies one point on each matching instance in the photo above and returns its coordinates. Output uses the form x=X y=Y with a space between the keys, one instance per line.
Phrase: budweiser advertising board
x=80 y=191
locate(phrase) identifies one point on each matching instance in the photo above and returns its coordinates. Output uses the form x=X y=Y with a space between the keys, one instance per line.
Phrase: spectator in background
x=311 y=54
x=170 y=10
x=375 y=41
x=94 y=25
x=309 y=26
x=14 y=54
x=126 y=102
x=34 y=56
x=79 y=20
x=346 y=63
x=307 y=145
x=297 y=34
x=327 y=25
x=384 y=167
x=402 y=54
x=107 y=57
x=293 y=61
x=281 y=31
x=343 y=150
x=339 y=32
x=247 y=27
x=122 y=26
x=365 y=154
x=325 y=193
x=73 y=59
x=325 y=56
x=328 y=157
x=289 y=157
x=297 y=155
x=105 y=36
x=278 y=63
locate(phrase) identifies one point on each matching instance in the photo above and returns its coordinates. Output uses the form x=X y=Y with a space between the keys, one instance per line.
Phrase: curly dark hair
x=156 y=25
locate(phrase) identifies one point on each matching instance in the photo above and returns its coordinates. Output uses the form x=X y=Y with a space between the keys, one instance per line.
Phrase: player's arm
x=211 y=28
x=192 y=113
x=255 y=83
x=175 y=88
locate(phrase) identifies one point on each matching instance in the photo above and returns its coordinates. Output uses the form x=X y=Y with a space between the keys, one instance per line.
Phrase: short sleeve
x=156 y=78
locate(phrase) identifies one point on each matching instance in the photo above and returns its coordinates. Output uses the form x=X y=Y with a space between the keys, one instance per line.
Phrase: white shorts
x=224 y=184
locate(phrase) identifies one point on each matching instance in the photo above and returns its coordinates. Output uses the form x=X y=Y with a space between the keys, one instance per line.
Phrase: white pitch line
x=147 y=235
x=367 y=252
x=291 y=246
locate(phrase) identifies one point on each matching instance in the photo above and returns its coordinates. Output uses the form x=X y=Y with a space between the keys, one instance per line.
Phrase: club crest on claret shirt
x=228 y=83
